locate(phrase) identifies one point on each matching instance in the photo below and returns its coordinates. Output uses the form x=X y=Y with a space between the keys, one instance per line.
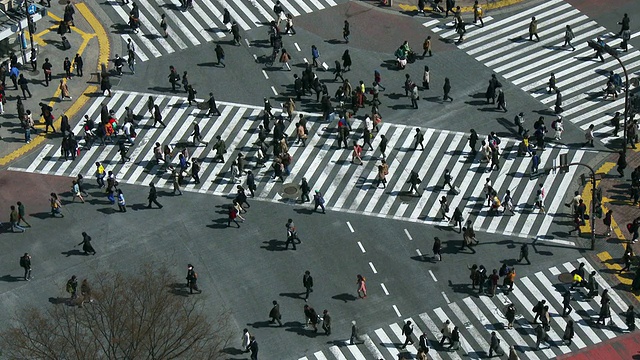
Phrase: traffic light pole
x=593 y=197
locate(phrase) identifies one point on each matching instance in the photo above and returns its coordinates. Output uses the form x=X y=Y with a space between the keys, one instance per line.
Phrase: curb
x=467 y=9
x=103 y=57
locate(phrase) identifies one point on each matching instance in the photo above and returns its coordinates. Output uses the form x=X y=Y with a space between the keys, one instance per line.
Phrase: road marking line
x=446 y=298
x=255 y=57
x=418 y=251
x=397 y=311
x=296 y=45
x=361 y=247
x=274 y=91
x=384 y=288
x=265 y=74
x=408 y=235
x=373 y=268
x=350 y=227
x=248 y=43
x=433 y=276
x=305 y=60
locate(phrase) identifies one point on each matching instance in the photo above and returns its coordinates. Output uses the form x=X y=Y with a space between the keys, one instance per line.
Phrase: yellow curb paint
x=103 y=46
x=604 y=257
x=492 y=6
x=73 y=28
x=72 y=111
x=103 y=39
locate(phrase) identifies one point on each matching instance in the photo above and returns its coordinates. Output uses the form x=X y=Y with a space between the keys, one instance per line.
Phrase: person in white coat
x=558 y=126
x=246 y=340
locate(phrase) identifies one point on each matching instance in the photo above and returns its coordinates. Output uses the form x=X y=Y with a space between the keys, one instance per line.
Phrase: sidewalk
x=88 y=39
x=410 y=7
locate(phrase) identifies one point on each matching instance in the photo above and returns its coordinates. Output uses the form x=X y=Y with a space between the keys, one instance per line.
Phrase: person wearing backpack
x=192 y=279
x=25 y=263
x=414 y=180
x=72 y=287
x=318 y=201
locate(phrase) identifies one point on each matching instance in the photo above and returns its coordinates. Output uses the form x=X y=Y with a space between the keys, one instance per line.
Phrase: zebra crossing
x=477 y=317
x=346 y=187
x=503 y=46
x=199 y=25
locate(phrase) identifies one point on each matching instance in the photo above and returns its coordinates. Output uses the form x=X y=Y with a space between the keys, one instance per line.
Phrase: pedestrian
x=589 y=136
x=157 y=116
x=494 y=345
x=153 y=196
x=21 y=214
x=383 y=146
x=86 y=244
x=346 y=31
x=426 y=47
x=444 y=208
x=446 y=331
x=164 y=26
x=72 y=287
x=25 y=263
x=510 y=314
x=502 y=103
x=274 y=314
x=414 y=180
x=318 y=200
x=552 y=83
x=46 y=67
x=14 y=218
x=535 y=162
x=415 y=96
x=24 y=86
x=568 y=36
x=513 y=355
x=121 y=202
x=75 y=189
x=292 y=235
x=253 y=347
x=533 y=29
x=627 y=257
x=232 y=215
x=541 y=335
x=455 y=339
x=64 y=90
x=437 y=249
x=477 y=13
x=246 y=340
x=457 y=218
x=220 y=55
x=622 y=163
x=213 y=107
x=284 y=59
x=630 y=318
x=56 y=205
x=326 y=322
x=446 y=88
x=362 y=286
x=66 y=66
x=407 y=331
x=493 y=282
x=545 y=317
x=625 y=24
x=558 y=104
x=558 y=127
x=307 y=282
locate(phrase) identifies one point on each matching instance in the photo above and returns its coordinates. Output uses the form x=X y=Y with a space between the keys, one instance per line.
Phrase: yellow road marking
x=605 y=257
x=103 y=46
x=491 y=6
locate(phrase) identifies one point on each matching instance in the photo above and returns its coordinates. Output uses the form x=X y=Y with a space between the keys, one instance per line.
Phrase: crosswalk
x=199 y=25
x=503 y=46
x=346 y=187
x=478 y=316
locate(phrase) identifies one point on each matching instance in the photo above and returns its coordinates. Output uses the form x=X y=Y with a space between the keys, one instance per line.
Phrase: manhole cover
x=565 y=278
x=290 y=191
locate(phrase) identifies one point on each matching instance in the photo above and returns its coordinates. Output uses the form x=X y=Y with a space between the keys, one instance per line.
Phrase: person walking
x=533 y=29
x=502 y=102
x=72 y=287
x=510 y=314
x=627 y=257
x=493 y=282
x=346 y=31
x=455 y=339
x=477 y=13
x=14 y=218
x=589 y=136
x=56 y=205
x=326 y=322
x=232 y=215
x=355 y=334
x=568 y=333
x=25 y=263
x=444 y=208
x=21 y=214
x=318 y=200
x=568 y=36
x=307 y=282
x=153 y=196
x=221 y=148
x=524 y=253
x=86 y=244
x=253 y=347
x=437 y=248
x=426 y=49
x=75 y=189
x=64 y=91
x=624 y=24
x=24 y=86
x=121 y=202
x=213 y=107
x=274 y=314
x=446 y=331
x=197 y=135
x=494 y=345
x=446 y=88
x=407 y=331
x=383 y=146
x=157 y=116
x=414 y=180
x=622 y=163
x=192 y=279
x=362 y=286
x=457 y=219
x=541 y=335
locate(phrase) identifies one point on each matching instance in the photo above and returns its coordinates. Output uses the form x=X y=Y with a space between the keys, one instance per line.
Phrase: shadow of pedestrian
x=58 y=300
x=260 y=324
x=273 y=245
x=232 y=351
x=42 y=215
x=304 y=211
x=11 y=278
x=107 y=211
x=344 y=297
x=73 y=252
x=293 y=295
x=179 y=289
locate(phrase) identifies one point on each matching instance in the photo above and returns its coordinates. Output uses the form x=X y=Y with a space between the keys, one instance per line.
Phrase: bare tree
x=139 y=316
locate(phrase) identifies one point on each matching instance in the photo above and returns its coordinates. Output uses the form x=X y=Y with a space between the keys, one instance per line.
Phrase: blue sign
x=32 y=9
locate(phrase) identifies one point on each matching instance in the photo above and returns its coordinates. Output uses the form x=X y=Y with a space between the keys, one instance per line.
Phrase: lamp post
x=564 y=166
x=614 y=53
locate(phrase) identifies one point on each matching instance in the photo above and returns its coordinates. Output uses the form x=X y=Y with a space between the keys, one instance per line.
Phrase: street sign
x=32 y=9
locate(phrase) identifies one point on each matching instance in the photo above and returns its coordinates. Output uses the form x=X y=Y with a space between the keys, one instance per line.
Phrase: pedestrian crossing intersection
x=503 y=46
x=477 y=317
x=199 y=25
x=346 y=187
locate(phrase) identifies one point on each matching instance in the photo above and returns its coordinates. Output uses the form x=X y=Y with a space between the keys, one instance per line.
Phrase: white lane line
x=418 y=251
x=408 y=235
x=350 y=227
x=355 y=352
x=397 y=311
x=368 y=343
x=433 y=276
x=265 y=74
x=361 y=247
x=335 y=351
x=274 y=91
x=384 y=288
x=373 y=268
x=446 y=298
x=248 y=43
x=297 y=46
x=319 y=355
x=430 y=23
x=387 y=343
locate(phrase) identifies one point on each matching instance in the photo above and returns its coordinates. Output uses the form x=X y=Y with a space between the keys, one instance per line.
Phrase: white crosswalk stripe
x=346 y=187
x=478 y=316
x=199 y=25
x=504 y=47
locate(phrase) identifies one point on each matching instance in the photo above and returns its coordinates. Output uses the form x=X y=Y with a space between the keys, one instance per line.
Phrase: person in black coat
x=86 y=244
x=253 y=347
x=274 y=314
x=307 y=282
x=153 y=196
